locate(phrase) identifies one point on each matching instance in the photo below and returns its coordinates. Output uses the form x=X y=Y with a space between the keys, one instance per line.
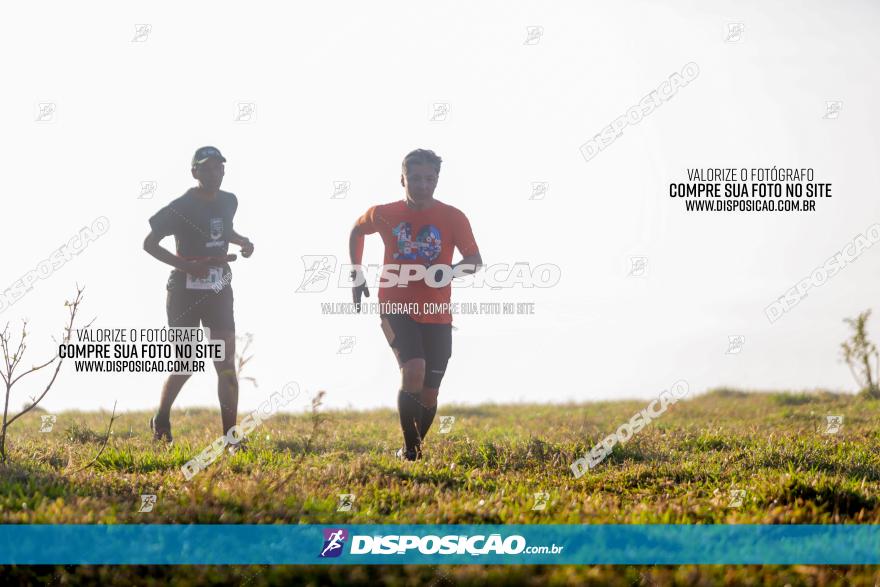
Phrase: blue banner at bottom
x=377 y=544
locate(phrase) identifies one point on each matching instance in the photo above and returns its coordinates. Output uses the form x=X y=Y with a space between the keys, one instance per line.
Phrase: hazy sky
x=343 y=90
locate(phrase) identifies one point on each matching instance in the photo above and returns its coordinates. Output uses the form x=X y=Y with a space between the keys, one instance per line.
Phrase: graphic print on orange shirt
x=426 y=246
x=441 y=229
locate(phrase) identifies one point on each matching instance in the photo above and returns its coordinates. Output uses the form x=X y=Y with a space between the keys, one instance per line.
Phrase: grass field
x=772 y=449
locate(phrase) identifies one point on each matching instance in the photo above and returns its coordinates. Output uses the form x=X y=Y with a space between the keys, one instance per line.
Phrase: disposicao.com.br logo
x=476 y=545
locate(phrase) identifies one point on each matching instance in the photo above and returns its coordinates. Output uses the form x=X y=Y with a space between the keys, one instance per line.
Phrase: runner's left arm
x=247 y=247
x=466 y=244
x=472 y=264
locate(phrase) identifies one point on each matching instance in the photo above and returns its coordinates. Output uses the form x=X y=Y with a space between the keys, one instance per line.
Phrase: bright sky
x=343 y=90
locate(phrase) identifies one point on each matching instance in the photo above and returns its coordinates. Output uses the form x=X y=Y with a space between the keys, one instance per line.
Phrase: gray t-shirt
x=201 y=228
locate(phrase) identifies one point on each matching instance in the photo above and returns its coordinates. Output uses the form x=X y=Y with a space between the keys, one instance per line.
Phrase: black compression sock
x=410 y=411
x=426 y=419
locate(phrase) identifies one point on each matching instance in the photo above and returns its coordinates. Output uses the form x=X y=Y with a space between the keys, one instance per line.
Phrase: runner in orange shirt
x=417 y=231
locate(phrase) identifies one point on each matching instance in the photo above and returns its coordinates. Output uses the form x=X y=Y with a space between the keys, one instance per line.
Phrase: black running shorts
x=415 y=340
x=189 y=307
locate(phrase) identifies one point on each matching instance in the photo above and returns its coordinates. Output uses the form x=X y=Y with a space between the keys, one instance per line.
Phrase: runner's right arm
x=356 y=253
x=365 y=225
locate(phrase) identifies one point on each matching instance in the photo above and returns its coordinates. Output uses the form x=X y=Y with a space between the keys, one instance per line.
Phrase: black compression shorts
x=416 y=340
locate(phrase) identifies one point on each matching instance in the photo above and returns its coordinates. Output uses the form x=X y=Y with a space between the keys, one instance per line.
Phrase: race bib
x=215 y=275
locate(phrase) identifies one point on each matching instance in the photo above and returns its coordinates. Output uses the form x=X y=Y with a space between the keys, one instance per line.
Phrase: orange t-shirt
x=420 y=237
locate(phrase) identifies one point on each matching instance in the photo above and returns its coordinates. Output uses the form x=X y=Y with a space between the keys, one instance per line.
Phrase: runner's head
x=208 y=167
x=421 y=169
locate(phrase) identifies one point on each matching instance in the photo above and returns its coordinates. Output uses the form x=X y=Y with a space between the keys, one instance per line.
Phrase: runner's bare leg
x=227 y=381
x=172 y=387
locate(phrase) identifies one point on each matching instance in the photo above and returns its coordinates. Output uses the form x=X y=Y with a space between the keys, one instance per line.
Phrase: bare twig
x=242 y=360
x=11 y=363
x=103 y=446
x=67 y=329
